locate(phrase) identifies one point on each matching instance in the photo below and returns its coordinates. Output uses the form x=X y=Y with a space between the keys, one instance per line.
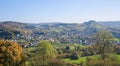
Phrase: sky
x=69 y=11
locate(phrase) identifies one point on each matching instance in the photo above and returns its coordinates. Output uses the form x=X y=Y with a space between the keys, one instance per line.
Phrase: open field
x=83 y=59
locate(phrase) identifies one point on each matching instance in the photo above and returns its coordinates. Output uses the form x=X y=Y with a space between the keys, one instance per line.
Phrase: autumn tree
x=104 y=41
x=11 y=54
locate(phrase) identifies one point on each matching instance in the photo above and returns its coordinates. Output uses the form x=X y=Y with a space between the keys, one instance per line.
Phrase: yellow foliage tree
x=11 y=54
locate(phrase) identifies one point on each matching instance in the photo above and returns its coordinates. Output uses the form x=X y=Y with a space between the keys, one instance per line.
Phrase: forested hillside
x=62 y=32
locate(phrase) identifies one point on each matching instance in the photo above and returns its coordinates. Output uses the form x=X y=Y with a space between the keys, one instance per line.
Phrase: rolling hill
x=63 y=32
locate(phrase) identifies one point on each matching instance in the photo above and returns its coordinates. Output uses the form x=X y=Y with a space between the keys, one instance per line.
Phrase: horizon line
x=58 y=21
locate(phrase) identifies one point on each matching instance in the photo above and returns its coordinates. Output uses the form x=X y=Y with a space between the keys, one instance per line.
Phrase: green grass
x=83 y=59
x=27 y=63
x=68 y=60
x=118 y=56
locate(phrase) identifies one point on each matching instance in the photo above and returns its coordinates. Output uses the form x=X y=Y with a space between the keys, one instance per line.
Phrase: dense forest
x=59 y=44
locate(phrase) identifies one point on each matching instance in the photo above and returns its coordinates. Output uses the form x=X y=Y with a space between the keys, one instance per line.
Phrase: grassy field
x=83 y=59
x=68 y=60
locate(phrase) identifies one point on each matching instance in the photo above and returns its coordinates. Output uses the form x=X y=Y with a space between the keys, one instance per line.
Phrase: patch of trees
x=104 y=41
x=45 y=55
x=6 y=35
x=103 y=45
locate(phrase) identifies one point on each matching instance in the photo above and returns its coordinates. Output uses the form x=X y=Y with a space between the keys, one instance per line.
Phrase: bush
x=111 y=61
x=56 y=62
x=74 y=56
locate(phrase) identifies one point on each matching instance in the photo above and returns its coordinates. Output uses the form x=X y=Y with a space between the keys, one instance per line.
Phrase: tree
x=44 y=52
x=104 y=41
x=104 y=44
x=11 y=54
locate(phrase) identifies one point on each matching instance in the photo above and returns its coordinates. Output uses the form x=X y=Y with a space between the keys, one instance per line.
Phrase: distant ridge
x=110 y=23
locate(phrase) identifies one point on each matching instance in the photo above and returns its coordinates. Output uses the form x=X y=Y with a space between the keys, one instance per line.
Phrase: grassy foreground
x=83 y=59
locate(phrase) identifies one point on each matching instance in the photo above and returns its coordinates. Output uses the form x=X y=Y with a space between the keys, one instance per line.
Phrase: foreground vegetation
x=101 y=52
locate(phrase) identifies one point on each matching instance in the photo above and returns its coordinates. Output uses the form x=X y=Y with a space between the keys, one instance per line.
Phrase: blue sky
x=75 y=11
